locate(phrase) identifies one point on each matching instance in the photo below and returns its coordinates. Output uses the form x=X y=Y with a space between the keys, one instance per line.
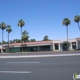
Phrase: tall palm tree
x=2 y=27
x=77 y=20
x=25 y=37
x=21 y=23
x=9 y=30
x=66 y=22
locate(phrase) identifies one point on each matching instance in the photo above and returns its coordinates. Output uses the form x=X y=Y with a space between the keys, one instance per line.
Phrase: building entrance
x=64 y=47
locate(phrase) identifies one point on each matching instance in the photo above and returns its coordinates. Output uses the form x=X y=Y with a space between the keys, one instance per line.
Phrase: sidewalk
x=52 y=52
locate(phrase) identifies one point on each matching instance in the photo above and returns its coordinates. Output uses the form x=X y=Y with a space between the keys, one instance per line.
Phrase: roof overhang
x=30 y=45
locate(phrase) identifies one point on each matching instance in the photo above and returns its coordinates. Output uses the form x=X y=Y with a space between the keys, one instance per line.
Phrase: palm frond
x=21 y=23
x=2 y=25
x=8 y=29
x=66 y=21
x=77 y=18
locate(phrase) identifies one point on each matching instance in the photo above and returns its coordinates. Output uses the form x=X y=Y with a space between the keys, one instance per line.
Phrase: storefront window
x=74 y=45
x=56 y=47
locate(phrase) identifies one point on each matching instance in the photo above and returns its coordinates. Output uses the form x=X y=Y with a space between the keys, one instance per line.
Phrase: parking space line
x=20 y=62
x=23 y=72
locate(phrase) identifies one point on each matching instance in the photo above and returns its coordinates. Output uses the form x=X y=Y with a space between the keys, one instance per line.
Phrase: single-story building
x=50 y=45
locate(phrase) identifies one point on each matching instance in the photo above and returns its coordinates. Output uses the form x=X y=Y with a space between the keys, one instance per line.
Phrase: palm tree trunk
x=67 y=38
x=25 y=46
x=2 y=41
x=8 y=42
x=78 y=26
x=21 y=39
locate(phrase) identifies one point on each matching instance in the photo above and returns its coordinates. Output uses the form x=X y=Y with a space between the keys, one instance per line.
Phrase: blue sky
x=42 y=17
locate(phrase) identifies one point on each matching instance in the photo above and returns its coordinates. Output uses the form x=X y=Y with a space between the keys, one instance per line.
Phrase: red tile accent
x=32 y=43
x=78 y=39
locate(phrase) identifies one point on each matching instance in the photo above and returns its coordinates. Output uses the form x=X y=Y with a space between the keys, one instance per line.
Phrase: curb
x=43 y=52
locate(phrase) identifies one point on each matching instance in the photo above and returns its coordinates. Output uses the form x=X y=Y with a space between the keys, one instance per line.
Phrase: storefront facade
x=51 y=45
x=61 y=45
x=31 y=46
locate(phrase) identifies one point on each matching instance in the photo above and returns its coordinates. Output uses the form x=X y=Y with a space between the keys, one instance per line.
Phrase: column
x=70 y=46
x=76 y=44
x=1 y=50
x=53 y=47
x=59 y=46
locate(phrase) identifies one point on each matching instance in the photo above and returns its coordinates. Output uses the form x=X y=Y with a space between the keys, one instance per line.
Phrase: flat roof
x=32 y=43
x=41 y=42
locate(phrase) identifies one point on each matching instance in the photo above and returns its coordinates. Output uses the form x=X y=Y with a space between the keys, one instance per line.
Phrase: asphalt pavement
x=46 y=68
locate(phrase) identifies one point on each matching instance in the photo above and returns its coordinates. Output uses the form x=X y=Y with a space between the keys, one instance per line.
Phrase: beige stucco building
x=51 y=45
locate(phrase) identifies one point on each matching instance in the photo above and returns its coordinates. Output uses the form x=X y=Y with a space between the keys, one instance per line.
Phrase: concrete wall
x=78 y=44
x=0 y=46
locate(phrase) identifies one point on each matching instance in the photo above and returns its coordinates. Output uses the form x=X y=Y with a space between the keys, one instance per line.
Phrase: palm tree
x=45 y=38
x=32 y=40
x=4 y=42
x=21 y=23
x=66 y=22
x=2 y=27
x=9 y=30
x=18 y=40
x=11 y=41
x=0 y=43
x=77 y=20
x=25 y=37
